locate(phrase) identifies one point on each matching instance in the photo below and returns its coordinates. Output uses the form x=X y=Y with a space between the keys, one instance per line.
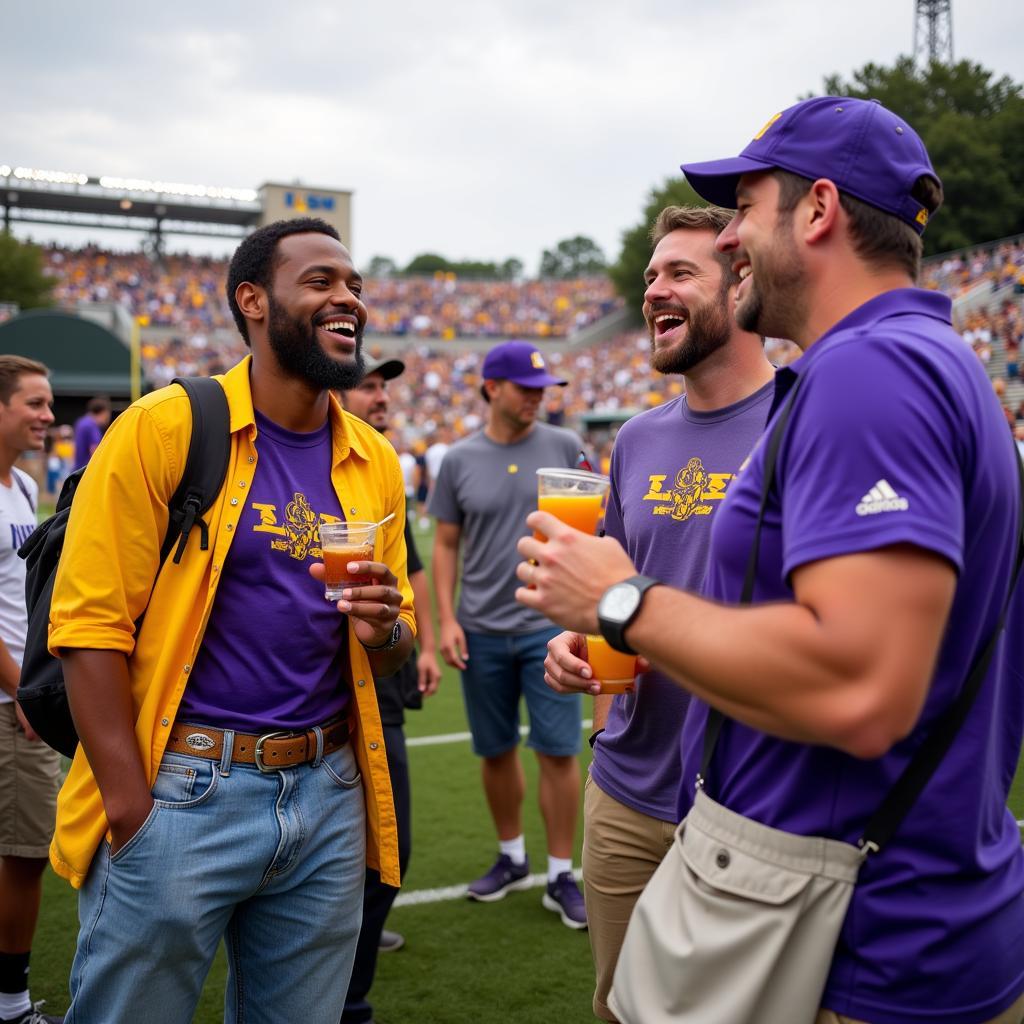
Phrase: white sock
x=514 y=848
x=558 y=866
x=14 y=1004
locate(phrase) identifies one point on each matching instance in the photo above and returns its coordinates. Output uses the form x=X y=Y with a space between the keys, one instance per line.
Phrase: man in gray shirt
x=486 y=487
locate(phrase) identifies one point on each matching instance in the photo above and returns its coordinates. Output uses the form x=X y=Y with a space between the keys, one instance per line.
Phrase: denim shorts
x=502 y=668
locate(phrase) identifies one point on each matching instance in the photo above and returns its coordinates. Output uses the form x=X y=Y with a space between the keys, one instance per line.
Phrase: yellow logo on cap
x=537 y=360
x=513 y=468
x=922 y=217
x=767 y=126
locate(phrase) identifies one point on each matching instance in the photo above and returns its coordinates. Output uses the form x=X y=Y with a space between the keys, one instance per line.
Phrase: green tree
x=512 y=269
x=973 y=125
x=627 y=273
x=22 y=280
x=573 y=257
x=381 y=266
x=427 y=263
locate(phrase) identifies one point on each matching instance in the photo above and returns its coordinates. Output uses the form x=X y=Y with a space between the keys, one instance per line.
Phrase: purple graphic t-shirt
x=671 y=468
x=275 y=652
x=896 y=438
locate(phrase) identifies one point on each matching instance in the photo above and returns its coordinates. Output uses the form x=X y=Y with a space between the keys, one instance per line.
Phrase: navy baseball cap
x=865 y=149
x=519 y=362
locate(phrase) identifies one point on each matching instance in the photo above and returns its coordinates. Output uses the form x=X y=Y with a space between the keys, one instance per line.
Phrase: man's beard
x=775 y=303
x=294 y=344
x=708 y=328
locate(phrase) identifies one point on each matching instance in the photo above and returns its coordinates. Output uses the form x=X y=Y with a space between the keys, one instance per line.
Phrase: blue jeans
x=272 y=862
x=501 y=669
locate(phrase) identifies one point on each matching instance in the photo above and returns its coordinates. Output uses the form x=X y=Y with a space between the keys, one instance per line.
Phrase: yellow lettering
x=767 y=126
x=716 y=486
x=655 y=493
x=268 y=520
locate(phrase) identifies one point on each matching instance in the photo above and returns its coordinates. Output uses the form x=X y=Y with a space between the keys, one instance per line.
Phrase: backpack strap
x=205 y=467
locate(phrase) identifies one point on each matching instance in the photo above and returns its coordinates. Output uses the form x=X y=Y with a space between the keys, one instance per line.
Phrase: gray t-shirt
x=488 y=489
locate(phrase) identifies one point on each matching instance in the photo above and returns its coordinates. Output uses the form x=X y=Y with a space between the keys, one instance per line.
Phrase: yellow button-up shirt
x=110 y=560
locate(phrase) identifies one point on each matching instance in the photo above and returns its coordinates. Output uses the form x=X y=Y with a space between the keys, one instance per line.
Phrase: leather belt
x=268 y=752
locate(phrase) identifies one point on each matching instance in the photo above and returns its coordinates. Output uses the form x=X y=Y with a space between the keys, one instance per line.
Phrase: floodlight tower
x=933 y=31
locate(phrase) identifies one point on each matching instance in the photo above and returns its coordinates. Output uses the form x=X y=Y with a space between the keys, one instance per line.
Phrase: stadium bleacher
x=187 y=329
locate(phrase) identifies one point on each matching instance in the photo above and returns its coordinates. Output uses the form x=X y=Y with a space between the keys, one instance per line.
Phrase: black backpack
x=41 y=692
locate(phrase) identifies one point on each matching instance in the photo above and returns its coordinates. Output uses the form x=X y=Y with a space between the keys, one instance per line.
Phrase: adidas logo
x=881 y=498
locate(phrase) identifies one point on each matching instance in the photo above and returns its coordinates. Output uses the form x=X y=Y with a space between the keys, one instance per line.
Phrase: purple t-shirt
x=275 y=652
x=671 y=468
x=87 y=436
x=895 y=437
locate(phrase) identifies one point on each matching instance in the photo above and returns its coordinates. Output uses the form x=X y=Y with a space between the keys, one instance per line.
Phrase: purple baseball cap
x=519 y=362
x=865 y=149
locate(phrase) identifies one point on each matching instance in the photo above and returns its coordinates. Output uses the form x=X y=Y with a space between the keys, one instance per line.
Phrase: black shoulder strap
x=24 y=490
x=713 y=726
x=205 y=467
x=922 y=766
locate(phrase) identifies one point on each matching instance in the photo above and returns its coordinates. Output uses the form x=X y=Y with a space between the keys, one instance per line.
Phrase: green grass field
x=464 y=962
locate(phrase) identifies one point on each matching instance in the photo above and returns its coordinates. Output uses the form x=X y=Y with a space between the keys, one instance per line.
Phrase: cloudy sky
x=474 y=128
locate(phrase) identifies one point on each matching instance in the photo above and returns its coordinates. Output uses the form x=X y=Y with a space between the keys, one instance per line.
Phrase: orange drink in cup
x=575 y=496
x=614 y=670
x=342 y=543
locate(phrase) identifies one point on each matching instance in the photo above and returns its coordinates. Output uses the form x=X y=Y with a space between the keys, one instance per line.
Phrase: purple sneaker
x=564 y=897
x=502 y=878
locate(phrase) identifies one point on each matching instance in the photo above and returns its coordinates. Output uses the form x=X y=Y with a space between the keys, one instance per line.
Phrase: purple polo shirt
x=896 y=438
x=671 y=469
x=275 y=651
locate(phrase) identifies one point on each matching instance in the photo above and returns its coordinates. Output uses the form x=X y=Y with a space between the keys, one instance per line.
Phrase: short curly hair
x=253 y=260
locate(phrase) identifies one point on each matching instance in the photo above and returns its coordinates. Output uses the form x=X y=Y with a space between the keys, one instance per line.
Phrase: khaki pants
x=1014 y=1015
x=621 y=850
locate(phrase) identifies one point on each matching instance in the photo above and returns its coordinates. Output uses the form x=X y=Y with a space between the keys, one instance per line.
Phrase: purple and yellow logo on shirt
x=694 y=487
x=300 y=531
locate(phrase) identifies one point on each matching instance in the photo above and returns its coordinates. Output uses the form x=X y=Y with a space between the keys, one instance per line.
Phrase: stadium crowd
x=438 y=399
x=187 y=292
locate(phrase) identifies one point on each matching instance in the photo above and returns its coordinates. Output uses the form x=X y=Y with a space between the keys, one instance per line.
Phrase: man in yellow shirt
x=216 y=791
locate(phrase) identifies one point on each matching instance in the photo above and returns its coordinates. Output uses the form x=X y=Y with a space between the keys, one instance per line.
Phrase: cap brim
x=716 y=180
x=539 y=380
x=389 y=369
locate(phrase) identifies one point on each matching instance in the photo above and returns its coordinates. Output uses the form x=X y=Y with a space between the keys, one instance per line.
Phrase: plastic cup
x=575 y=496
x=342 y=543
x=615 y=671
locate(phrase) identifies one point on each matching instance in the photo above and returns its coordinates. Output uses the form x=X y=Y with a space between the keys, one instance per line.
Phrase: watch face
x=619 y=602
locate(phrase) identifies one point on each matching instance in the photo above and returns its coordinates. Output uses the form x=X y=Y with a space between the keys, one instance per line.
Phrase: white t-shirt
x=17 y=521
x=408 y=463
x=434 y=456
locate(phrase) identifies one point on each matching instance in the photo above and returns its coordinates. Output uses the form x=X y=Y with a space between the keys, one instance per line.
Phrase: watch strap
x=613 y=630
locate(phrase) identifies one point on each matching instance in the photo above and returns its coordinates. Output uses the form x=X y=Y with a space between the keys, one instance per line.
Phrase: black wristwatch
x=619 y=606
x=391 y=643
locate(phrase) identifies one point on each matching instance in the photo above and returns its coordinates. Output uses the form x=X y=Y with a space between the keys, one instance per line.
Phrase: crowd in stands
x=1000 y=265
x=438 y=398
x=187 y=292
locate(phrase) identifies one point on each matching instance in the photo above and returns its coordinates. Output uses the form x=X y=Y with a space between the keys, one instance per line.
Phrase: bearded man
x=232 y=779
x=703 y=436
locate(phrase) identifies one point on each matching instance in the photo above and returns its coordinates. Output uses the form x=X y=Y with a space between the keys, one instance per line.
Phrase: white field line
x=464 y=737
x=458 y=892
x=418 y=897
